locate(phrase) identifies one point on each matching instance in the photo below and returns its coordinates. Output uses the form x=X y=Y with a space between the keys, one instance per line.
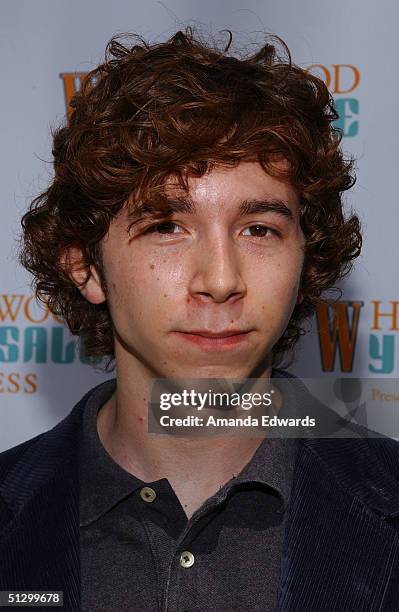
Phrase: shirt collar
x=103 y=483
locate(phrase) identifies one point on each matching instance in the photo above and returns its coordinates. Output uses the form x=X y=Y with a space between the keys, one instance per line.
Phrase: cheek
x=276 y=296
x=289 y=291
x=146 y=285
x=277 y=282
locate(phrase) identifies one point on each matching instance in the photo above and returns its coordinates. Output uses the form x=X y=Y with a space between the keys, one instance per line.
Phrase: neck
x=122 y=425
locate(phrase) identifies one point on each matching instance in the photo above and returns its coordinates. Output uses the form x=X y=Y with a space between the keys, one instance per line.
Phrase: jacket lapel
x=39 y=514
x=341 y=545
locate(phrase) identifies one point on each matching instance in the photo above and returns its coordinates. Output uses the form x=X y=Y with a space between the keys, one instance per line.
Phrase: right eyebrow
x=170 y=206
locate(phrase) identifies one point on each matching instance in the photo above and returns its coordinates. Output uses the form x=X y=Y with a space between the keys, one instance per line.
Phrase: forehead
x=223 y=191
x=226 y=188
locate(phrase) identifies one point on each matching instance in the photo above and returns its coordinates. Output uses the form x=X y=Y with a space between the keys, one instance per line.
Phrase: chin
x=215 y=371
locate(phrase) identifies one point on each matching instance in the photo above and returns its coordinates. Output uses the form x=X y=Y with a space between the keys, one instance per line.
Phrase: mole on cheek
x=152 y=266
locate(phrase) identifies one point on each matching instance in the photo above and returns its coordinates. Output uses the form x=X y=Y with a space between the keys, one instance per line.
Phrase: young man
x=193 y=222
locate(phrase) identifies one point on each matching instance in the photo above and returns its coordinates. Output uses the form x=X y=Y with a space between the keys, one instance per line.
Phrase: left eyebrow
x=187 y=206
x=250 y=207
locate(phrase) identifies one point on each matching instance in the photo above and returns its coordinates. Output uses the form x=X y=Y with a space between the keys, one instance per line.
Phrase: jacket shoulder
x=368 y=468
x=12 y=456
x=47 y=454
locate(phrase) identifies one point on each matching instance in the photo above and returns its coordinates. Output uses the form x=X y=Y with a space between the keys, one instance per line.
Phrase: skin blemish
x=165 y=295
x=140 y=419
x=188 y=300
x=152 y=266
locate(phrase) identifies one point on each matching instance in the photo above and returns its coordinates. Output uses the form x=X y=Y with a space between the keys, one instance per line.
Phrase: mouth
x=215 y=341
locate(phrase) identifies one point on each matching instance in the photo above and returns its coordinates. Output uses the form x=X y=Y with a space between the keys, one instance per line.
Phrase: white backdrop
x=351 y=43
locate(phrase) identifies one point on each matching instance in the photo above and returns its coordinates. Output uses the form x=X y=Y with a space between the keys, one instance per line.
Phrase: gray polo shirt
x=139 y=552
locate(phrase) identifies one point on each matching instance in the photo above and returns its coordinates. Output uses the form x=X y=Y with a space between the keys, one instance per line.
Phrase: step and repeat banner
x=46 y=48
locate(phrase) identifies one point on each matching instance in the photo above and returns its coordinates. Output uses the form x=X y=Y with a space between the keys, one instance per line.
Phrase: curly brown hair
x=180 y=107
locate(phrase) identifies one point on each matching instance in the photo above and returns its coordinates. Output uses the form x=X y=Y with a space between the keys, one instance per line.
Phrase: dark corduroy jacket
x=341 y=548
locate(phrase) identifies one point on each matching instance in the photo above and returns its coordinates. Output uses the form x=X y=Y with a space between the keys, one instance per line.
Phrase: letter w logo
x=72 y=84
x=337 y=330
x=10 y=305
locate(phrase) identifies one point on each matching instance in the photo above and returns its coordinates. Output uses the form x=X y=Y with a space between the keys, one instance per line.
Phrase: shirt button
x=147 y=494
x=186 y=558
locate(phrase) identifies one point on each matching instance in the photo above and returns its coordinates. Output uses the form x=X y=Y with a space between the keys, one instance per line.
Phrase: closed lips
x=209 y=334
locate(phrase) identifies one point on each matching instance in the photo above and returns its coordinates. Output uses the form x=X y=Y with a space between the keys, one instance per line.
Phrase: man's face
x=217 y=268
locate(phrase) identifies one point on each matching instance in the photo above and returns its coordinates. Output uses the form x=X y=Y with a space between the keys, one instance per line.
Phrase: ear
x=73 y=263
x=299 y=298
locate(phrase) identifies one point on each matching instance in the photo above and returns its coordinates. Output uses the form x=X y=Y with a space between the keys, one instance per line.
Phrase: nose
x=216 y=272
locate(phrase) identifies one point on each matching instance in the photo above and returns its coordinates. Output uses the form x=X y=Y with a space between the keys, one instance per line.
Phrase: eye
x=168 y=227
x=261 y=231
x=164 y=227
